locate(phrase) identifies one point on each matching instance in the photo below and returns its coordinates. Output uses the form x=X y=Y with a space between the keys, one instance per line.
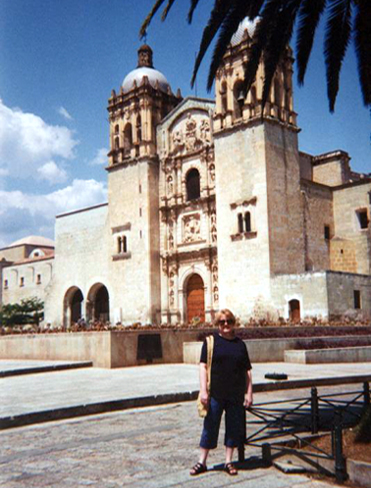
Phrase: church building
x=211 y=205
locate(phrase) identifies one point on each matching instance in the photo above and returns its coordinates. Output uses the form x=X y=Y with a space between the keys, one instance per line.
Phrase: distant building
x=26 y=268
x=211 y=204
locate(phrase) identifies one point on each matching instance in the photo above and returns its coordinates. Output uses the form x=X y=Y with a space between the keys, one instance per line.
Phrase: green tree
x=346 y=20
x=28 y=311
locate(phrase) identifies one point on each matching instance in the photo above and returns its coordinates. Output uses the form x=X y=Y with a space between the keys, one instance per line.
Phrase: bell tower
x=257 y=178
x=144 y=99
x=231 y=105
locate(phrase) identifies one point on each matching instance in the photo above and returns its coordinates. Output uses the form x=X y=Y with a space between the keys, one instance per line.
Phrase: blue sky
x=59 y=62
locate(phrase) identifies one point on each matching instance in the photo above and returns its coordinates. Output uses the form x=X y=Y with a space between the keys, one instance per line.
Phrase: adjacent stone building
x=211 y=204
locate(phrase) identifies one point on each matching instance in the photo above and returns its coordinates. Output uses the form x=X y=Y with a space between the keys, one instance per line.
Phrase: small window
x=21 y=282
x=38 y=279
x=122 y=245
x=5 y=284
x=327 y=232
x=247 y=222
x=140 y=188
x=193 y=184
x=240 y=223
x=357 y=299
x=362 y=218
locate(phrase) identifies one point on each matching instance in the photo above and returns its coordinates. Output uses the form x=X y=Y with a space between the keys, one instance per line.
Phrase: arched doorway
x=294 y=306
x=72 y=305
x=98 y=303
x=195 y=298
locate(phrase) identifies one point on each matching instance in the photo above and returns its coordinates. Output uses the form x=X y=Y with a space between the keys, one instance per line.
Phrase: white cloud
x=62 y=111
x=52 y=173
x=24 y=214
x=27 y=143
x=100 y=157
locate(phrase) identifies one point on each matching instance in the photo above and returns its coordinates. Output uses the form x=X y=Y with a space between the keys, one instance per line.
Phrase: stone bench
x=336 y=355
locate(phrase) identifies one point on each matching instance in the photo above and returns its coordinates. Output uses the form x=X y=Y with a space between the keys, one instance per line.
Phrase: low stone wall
x=273 y=350
x=109 y=349
x=338 y=355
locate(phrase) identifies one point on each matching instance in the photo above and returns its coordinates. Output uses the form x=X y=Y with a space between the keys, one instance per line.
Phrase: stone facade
x=210 y=205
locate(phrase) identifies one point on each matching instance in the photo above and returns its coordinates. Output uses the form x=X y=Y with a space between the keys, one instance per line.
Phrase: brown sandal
x=198 y=468
x=230 y=469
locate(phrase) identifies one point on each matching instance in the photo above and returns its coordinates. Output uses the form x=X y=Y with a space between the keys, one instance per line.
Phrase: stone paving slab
x=141 y=448
x=14 y=367
x=44 y=396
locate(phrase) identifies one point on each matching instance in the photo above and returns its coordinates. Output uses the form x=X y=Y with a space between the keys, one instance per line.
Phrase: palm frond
x=255 y=8
x=192 y=8
x=216 y=19
x=309 y=15
x=260 y=38
x=229 y=26
x=277 y=42
x=148 y=19
x=167 y=9
x=362 y=39
x=337 y=37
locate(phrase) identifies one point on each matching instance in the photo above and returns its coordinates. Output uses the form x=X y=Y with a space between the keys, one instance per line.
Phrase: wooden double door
x=195 y=298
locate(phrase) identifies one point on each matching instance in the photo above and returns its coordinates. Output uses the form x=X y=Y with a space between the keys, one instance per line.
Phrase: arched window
x=223 y=93
x=247 y=222
x=240 y=223
x=117 y=143
x=193 y=184
x=239 y=99
x=128 y=139
x=277 y=92
x=117 y=129
x=294 y=310
x=139 y=128
x=253 y=95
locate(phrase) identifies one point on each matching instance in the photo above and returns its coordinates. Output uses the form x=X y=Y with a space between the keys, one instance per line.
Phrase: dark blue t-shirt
x=229 y=366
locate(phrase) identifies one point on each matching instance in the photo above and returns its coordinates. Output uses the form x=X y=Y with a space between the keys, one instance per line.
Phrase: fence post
x=340 y=466
x=314 y=410
x=241 y=447
x=366 y=394
x=267 y=454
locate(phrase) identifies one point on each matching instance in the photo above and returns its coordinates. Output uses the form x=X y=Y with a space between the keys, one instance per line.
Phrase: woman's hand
x=204 y=397
x=248 y=400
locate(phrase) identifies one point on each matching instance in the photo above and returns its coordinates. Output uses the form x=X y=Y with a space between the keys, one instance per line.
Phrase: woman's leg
x=234 y=429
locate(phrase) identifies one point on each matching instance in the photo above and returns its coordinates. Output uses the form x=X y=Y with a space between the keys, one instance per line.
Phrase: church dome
x=246 y=24
x=152 y=74
x=145 y=68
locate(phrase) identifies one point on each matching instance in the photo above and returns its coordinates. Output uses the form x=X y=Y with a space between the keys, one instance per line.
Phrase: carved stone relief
x=172 y=278
x=192 y=136
x=213 y=225
x=192 y=228
x=214 y=271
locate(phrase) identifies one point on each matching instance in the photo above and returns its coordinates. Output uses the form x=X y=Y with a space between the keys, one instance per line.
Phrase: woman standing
x=231 y=392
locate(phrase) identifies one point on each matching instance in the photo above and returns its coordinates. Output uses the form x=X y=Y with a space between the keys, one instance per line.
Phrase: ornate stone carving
x=192 y=137
x=212 y=171
x=170 y=185
x=205 y=132
x=213 y=225
x=192 y=228
x=173 y=272
x=214 y=272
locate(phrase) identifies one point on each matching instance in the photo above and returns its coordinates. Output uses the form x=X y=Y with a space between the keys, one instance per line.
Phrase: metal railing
x=279 y=423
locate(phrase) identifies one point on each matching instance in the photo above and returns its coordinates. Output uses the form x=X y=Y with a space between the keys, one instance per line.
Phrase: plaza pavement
x=38 y=397
x=151 y=447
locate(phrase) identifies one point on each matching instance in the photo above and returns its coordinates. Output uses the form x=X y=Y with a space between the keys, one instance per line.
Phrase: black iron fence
x=274 y=426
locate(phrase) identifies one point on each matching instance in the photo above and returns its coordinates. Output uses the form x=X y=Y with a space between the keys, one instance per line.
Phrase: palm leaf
x=277 y=42
x=216 y=19
x=193 y=6
x=338 y=31
x=255 y=8
x=167 y=9
x=309 y=15
x=362 y=39
x=260 y=38
x=148 y=19
x=229 y=26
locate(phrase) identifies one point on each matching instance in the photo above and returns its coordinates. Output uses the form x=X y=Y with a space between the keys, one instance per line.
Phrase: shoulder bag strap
x=210 y=350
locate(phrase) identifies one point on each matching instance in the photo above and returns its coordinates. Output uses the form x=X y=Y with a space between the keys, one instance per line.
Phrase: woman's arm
x=203 y=384
x=248 y=395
